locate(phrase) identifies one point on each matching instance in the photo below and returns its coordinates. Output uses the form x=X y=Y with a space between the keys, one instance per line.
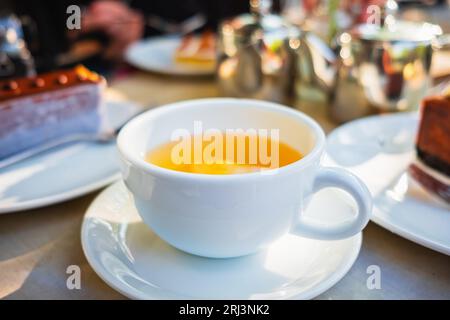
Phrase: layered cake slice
x=51 y=106
x=432 y=167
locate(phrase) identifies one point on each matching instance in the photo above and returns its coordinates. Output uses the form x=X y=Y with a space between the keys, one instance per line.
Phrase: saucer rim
x=62 y=196
x=134 y=294
x=378 y=213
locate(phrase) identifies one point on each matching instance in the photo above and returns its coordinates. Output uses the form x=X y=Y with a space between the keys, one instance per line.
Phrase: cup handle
x=340 y=178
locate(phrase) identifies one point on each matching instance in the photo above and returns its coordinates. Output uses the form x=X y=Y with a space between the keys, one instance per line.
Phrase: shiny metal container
x=15 y=59
x=255 y=59
x=390 y=65
x=372 y=69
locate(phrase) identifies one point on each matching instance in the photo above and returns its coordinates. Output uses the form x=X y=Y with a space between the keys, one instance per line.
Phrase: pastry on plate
x=50 y=106
x=198 y=50
x=431 y=169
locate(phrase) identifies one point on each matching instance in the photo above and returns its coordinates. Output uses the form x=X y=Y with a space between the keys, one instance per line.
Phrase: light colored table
x=37 y=246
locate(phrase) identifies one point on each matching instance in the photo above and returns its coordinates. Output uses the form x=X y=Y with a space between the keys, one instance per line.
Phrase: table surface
x=37 y=246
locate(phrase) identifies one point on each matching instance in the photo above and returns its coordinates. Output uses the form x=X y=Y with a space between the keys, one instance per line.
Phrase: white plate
x=379 y=149
x=156 y=54
x=128 y=256
x=63 y=173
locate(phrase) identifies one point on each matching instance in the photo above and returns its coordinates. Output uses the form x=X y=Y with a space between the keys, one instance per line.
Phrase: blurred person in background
x=107 y=26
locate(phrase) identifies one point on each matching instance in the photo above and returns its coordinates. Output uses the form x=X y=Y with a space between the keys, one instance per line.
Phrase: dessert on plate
x=50 y=106
x=198 y=50
x=431 y=169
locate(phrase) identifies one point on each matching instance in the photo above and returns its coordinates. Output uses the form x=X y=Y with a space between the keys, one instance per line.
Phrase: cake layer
x=435 y=183
x=434 y=162
x=30 y=120
x=433 y=140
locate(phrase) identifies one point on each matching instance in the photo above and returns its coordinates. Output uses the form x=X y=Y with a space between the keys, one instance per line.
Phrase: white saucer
x=379 y=149
x=156 y=55
x=128 y=256
x=63 y=173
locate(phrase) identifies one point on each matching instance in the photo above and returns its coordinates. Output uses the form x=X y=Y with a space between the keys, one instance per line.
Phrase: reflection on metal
x=375 y=68
x=256 y=55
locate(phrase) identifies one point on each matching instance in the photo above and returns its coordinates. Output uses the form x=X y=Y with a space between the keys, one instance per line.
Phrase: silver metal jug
x=375 y=68
x=255 y=59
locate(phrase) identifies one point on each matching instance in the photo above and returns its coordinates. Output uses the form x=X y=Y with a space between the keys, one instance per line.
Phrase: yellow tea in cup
x=226 y=154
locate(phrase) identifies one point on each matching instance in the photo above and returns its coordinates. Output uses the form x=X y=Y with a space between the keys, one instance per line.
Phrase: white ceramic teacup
x=237 y=214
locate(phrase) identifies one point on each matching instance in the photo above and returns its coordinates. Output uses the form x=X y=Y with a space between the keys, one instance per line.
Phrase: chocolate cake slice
x=50 y=106
x=432 y=168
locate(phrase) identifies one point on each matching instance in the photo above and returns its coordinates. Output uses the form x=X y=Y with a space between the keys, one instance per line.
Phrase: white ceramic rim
x=60 y=197
x=155 y=170
x=375 y=217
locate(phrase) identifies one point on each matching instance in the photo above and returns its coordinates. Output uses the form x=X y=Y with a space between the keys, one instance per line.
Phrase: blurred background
x=281 y=50
x=108 y=27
